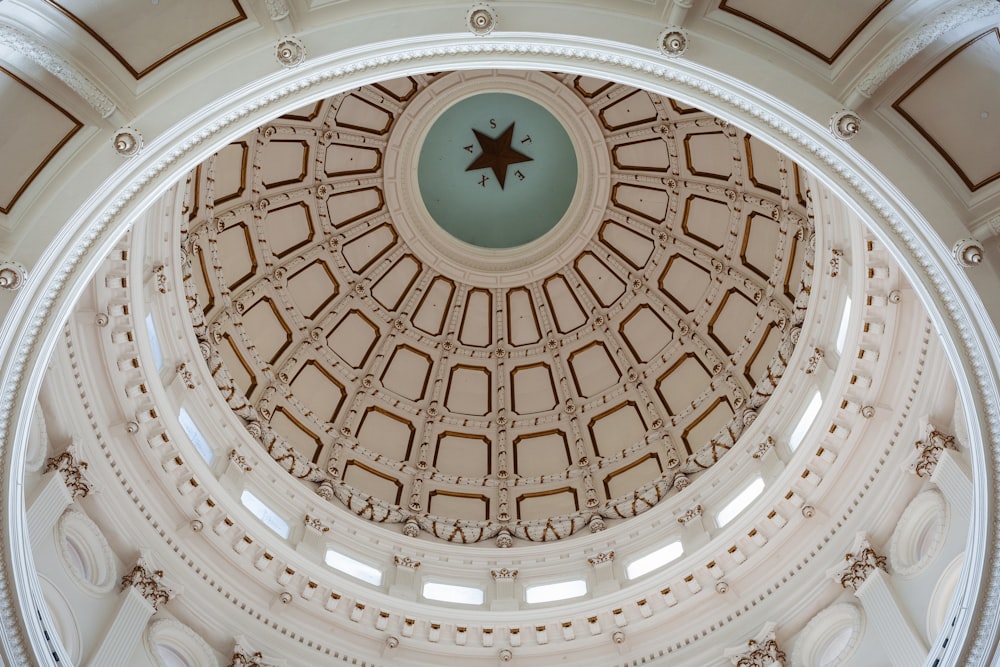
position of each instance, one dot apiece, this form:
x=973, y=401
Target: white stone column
x=46, y=507
x=865, y=573
x=503, y=597
x=604, y=573
x=142, y=594
x=952, y=477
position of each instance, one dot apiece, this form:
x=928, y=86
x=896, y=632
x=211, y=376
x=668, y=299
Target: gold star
x=497, y=154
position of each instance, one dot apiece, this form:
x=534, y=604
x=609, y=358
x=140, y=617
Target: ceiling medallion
x=481, y=19
x=127, y=141
x=673, y=42
x=512, y=175
x=845, y=124
x=290, y=51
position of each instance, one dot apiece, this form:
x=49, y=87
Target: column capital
x=148, y=583
x=860, y=563
x=72, y=471
x=761, y=651
x=930, y=448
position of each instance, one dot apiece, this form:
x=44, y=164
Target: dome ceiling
x=581, y=391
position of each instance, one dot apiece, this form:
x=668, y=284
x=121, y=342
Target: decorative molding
x=481, y=19
x=673, y=42
x=277, y=9
x=186, y=375
x=813, y=642
x=763, y=651
x=290, y=51
x=244, y=657
x=845, y=124
x=12, y=275
x=690, y=515
x=598, y=559
x=814, y=360
x=763, y=447
x=35, y=50
x=239, y=460
x=968, y=252
x=315, y=523
x=860, y=563
x=72, y=472
x=148, y=582
x=920, y=37
x=930, y=449
x=503, y=574
x=406, y=562
x=127, y=141
x=920, y=534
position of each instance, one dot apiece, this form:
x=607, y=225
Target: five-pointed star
x=497, y=154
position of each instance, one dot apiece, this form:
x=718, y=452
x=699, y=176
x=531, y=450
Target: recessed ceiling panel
x=685, y=282
x=312, y=288
x=407, y=372
x=288, y=228
x=707, y=221
x=532, y=388
x=956, y=107
x=143, y=37
x=469, y=390
x=317, y=389
x=822, y=28
x=477, y=319
x=353, y=338
x=42, y=128
x=646, y=202
x=645, y=332
x=386, y=433
x=463, y=454
x=542, y=453
x=593, y=369
x=346, y=207
x=522, y=318
x=543, y=504
x=395, y=284
x=284, y=162
x=616, y=429
x=631, y=245
x=231, y=172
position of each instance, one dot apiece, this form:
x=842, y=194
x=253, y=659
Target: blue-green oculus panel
x=497, y=170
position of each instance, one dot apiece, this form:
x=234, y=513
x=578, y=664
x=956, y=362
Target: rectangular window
x=740, y=502
x=267, y=515
x=552, y=592
x=353, y=567
x=154, y=342
x=451, y=593
x=654, y=560
x=805, y=421
x=195, y=436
